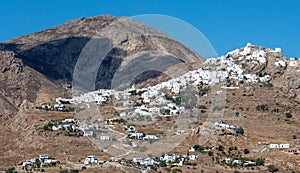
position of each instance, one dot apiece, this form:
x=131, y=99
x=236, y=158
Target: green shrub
x=288, y=115
x=272, y=168
x=246, y=151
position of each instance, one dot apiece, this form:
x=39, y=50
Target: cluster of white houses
x=172, y=159
x=92, y=160
x=134, y=134
x=43, y=160
x=222, y=125
x=283, y=146
x=239, y=162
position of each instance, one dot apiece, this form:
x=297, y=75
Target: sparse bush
x=272, y=168
x=263, y=107
x=259, y=162
x=63, y=171
x=162, y=164
x=199, y=147
x=239, y=131
x=221, y=148
x=246, y=151
x=288, y=115
x=11, y=170
x=176, y=170
x=269, y=85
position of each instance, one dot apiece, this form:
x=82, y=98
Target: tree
x=246, y=151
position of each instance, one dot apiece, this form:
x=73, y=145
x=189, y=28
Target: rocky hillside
x=40, y=66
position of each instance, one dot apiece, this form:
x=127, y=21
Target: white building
x=91, y=160
x=169, y=158
x=228, y=160
x=43, y=156
x=68, y=120
x=280, y=63
x=150, y=137
x=249, y=163
x=88, y=133
x=238, y=162
x=104, y=138
x=193, y=157
x=293, y=63
x=277, y=49
x=49, y=162
x=284, y=146
x=136, y=135
x=274, y=146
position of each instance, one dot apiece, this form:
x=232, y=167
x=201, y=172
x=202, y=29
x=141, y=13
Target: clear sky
x=227, y=24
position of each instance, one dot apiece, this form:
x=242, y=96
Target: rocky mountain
x=40, y=66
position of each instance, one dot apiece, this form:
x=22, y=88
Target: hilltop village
x=166, y=101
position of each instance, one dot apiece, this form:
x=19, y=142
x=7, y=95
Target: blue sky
x=226, y=24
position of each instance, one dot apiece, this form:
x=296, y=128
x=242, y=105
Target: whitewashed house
x=228, y=160
x=284, y=146
x=174, y=112
x=104, y=138
x=136, y=135
x=88, y=133
x=176, y=88
x=68, y=120
x=146, y=100
x=293, y=63
x=55, y=128
x=154, y=110
x=277, y=49
x=265, y=78
x=59, y=107
x=122, y=114
x=193, y=157
x=44, y=156
x=274, y=146
x=28, y=163
x=91, y=160
x=137, y=160
x=192, y=149
x=169, y=158
x=46, y=106
x=238, y=162
x=148, y=162
x=249, y=163
x=280, y=63
x=150, y=137
x=49, y=162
